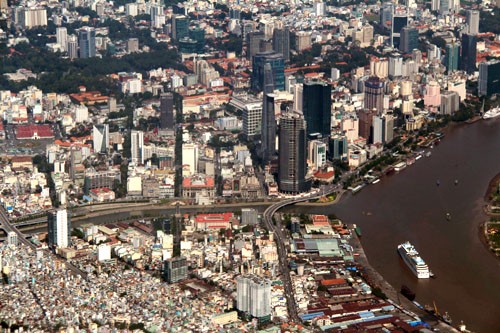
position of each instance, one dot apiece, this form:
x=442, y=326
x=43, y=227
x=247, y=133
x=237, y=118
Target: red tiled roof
x=28, y=131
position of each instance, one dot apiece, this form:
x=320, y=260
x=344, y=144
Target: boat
x=438, y=182
x=448, y=216
x=400, y=166
x=456, y=181
x=358, y=231
x=376, y=181
x=413, y=260
x=406, y=292
x=432, y=275
x=446, y=318
x=419, y=156
x=428, y=154
x=492, y=113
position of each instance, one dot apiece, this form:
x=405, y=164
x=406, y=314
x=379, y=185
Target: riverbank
x=489, y=231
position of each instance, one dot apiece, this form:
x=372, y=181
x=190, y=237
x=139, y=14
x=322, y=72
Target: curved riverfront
x=409, y=206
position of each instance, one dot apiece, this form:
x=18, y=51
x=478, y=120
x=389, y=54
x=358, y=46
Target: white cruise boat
x=413, y=260
x=492, y=113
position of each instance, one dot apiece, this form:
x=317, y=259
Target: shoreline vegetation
x=490, y=230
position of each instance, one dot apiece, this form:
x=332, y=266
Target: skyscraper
x=268, y=128
x=366, y=124
x=72, y=47
x=253, y=296
x=175, y=269
x=452, y=57
x=374, y=94
x=281, y=42
x=277, y=64
x=469, y=51
x=253, y=43
x=100, y=136
x=292, y=168
x=62, y=38
x=444, y=7
x=317, y=107
x=59, y=228
x=180, y=27
x=399, y=21
x=86, y=41
x=473, y=22
x=136, y=146
x=409, y=39
x=167, y=111
x=489, y=78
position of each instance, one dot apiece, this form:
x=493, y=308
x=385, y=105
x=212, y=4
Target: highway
x=8, y=227
x=281, y=237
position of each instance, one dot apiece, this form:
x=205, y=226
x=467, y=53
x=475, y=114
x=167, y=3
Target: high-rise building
x=489, y=78
x=12, y=239
x=383, y=128
x=399, y=21
x=366, y=124
x=72, y=47
x=59, y=228
x=302, y=40
x=253, y=43
x=395, y=65
x=62, y=38
x=175, y=269
x=252, y=119
x=374, y=94
x=268, y=128
x=137, y=146
x=444, y=7
x=452, y=57
x=132, y=45
x=86, y=41
x=28, y=18
x=190, y=157
x=180, y=27
x=292, y=168
x=281, y=42
x=277, y=64
x=338, y=147
x=469, y=53
x=253, y=296
x=450, y=102
x=100, y=137
x=317, y=153
x=435, y=4
x=197, y=34
x=317, y=107
x=386, y=14
x=167, y=111
x=409, y=39
x=473, y=22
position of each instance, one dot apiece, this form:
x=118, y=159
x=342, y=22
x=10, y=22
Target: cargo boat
x=413, y=260
x=493, y=113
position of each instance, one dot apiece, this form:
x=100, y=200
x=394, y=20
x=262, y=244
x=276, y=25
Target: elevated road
x=281, y=237
x=8, y=227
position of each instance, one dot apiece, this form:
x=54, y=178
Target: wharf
x=376, y=280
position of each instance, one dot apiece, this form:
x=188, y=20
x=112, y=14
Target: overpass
x=280, y=238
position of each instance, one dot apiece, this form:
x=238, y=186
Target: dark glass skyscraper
x=278, y=70
x=399, y=21
x=180, y=27
x=317, y=106
x=86, y=41
x=253, y=43
x=409, y=39
x=167, y=111
x=469, y=51
x=281, y=42
x=452, y=57
x=489, y=78
x=268, y=137
x=292, y=169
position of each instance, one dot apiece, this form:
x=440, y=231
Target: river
x=410, y=206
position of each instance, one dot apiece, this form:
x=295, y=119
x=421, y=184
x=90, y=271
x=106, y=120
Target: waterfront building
x=59, y=228
x=175, y=269
x=277, y=64
x=450, y=102
x=86, y=42
x=316, y=107
x=253, y=296
x=292, y=168
x=167, y=111
x=489, y=78
x=100, y=137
